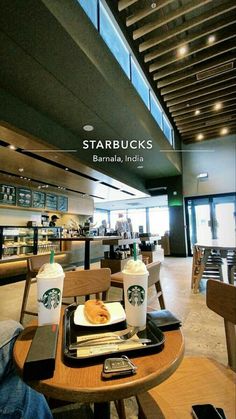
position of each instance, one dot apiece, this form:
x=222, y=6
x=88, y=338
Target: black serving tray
x=71, y=331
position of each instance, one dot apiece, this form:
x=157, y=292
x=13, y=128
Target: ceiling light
x=202, y=175
x=200, y=137
x=12, y=147
x=153, y=5
x=211, y=39
x=218, y=106
x=88, y=128
x=66, y=168
x=224, y=131
x=197, y=112
x=139, y=167
x=182, y=51
x=21, y=169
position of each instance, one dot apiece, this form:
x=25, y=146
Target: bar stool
x=231, y=267
x=213, y=268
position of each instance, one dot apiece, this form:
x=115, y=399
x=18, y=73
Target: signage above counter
x=27, y=198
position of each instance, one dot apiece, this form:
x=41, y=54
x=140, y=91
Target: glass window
x=156, y=110
x=139, y=83
x=167, y=129
x=113, y=40
x=138, y=218
x=159, y=220
x=100, y=215
x=91, y=9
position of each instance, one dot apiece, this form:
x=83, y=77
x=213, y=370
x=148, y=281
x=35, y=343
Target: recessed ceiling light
x=21, y=169
x=88, y=128
x=200, y=137
x=139, y=167
x=197, y=112
x=224, y=131
x=12, y=147
x=66, y=168
x=218, y=106
x=182, y=51
x=211, y=39
x=153, y=5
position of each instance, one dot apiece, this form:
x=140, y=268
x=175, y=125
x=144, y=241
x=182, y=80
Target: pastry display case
x=22, y=241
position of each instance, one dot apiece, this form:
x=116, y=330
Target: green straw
x=52, y=256
x=135, y=251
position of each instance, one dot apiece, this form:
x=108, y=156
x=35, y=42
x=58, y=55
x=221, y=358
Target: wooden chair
x=34, y=263
x=199, y=380
x=153, y=279
x=84, y=283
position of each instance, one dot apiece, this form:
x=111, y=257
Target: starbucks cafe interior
x=117, y=164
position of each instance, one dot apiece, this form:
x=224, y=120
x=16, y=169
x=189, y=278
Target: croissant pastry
x=96, y=312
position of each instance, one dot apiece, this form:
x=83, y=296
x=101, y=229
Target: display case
x=22, y=241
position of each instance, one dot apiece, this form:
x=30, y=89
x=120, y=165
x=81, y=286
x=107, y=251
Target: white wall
x=218, y=158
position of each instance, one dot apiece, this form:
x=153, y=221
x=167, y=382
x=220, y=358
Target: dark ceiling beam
x=200, y=93
x=210, y=123
x=220, y=60
x=203, y=116
x=123, y=4
x=205, y=99
x=141, y=14
x=205, y=130
x=194, y=49
x=191, y=109
x=220, y=49
x=206, y=133
x=201, y=85
x=176, y=43
x=210, y=136
x=190, y=24
x=163, y=20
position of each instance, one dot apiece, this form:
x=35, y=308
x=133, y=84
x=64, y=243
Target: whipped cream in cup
x=50, y=280
x=135, y=279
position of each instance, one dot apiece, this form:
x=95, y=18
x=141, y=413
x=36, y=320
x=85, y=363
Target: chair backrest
x=34, y=263
x=154, y=273
x=221, y=298
x=87, y=282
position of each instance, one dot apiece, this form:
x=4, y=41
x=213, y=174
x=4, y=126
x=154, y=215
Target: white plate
x=115, y=309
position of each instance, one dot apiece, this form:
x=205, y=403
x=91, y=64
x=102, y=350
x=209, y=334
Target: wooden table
x=201, y=252
x=84, y=384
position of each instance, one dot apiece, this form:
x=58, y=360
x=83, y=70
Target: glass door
x=210, y=218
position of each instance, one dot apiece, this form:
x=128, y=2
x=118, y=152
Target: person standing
x=121, y=224
x=53, y=221
x=130, y=227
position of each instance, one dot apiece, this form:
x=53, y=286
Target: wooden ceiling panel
x=189, y=48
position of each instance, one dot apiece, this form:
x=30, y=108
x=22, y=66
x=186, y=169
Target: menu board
x=51, y=201
x=24, y=197
x=7, y=195
x=38, y=199
x=62, y=204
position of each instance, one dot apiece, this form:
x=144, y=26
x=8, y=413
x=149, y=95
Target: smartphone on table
x=207, y=411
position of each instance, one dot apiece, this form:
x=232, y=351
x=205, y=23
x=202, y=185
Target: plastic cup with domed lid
x=50, y=280
x=135, y=279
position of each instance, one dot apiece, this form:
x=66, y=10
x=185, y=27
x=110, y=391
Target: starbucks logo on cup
x=136, y=295
x=51, y=298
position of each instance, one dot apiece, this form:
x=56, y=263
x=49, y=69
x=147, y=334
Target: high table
x=201, y=252
x=87, y=240
x=84, y=384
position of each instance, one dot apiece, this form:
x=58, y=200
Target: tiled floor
x=203, y=330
